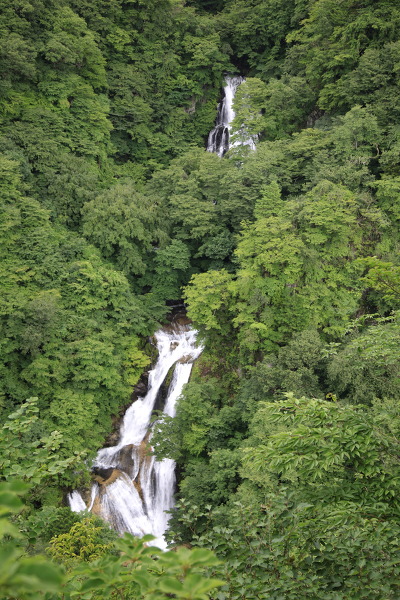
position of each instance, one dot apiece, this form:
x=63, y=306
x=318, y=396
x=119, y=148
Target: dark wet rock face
x=101, y=474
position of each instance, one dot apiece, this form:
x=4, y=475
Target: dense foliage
x=287, y=437
x=92, y=564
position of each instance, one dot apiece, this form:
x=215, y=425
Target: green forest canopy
x=287, y=436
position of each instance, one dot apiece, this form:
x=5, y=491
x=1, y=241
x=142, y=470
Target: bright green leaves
x=384, y=278
x=205, y=199
x=27, y=578
x=136, y=361
x=58, y=113
x=193, y=587
x=334, y=467
x=328, y=221
x=295, y=261
x=21, y=576
x=10, y=504
x=73, y=45
x=96, y=562
x=270, y=202
x=28, y=454
x=367, y=367
x=123, y=224
x=68, y=325
x=192, y=187
x=188, y=433
x=271, y=248
x=136, y=570
x=270, y=265
x=335, y=453
x=269, y=110
x=17, y=59
x=256, y=31
x=294, y=269
x=172, y=268
x=388, y=194
x=294, y=265
x=358, y=135
x=194, y=415
x=249, y=101
x=209, y=297
x=10, y=179
x=70, y=322
x=85, y=541
x=205, y=54
x=317, y=512
x=278, y=547
x=334, y=36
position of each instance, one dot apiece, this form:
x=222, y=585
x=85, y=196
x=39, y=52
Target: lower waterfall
x=135, y=490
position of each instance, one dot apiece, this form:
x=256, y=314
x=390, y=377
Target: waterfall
x=76, y=502
x=134, y=489
x=219, y=137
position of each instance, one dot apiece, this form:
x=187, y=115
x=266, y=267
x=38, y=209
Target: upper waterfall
x=219, y=138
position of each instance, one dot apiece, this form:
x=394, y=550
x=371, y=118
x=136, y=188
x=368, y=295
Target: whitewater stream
x=134, y=491
x=219, y=141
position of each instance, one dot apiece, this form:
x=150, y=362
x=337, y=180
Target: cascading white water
x=76, y=502
x=138, y=489
x=219, y=138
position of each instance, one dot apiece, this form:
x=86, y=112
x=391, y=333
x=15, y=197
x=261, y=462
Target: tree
x=209, y=297
x=21, y=576
x=172, y=265
x=86, y=541
x=367, y=366
x=123, y=224
x=29, y=455
x=342, y=445
x=69, y=326
x=71, y=45
x=256, y=31
x=270, y=110
x=127, y=568
x=316, y=513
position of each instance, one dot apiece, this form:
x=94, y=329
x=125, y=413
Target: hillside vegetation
x=287, y=437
